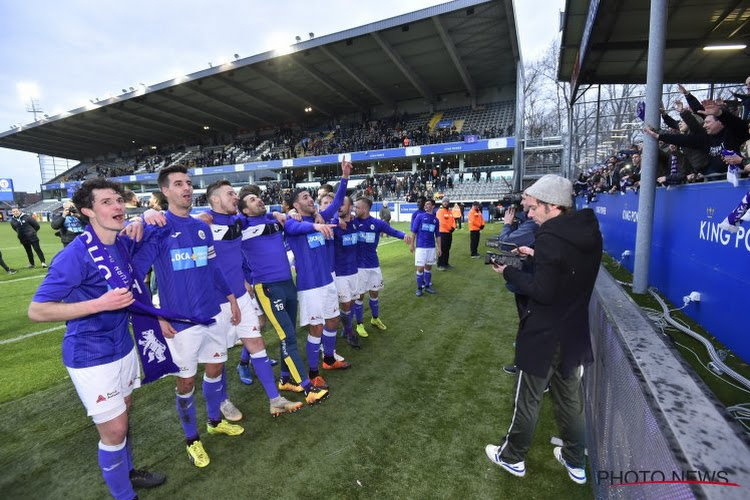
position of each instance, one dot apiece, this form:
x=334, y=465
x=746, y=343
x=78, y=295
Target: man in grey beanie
x=553, y=333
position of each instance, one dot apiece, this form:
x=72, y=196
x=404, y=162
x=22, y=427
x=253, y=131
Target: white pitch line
x=23, y=279
x=33, y=334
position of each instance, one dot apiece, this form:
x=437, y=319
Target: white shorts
x=200, y=344
x=347, y=287
x=318, y=304
x=249, y=327
x=370, y=280
x=425, y=257
x=103, y=388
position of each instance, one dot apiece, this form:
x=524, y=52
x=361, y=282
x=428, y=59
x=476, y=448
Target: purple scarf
x=152, y=349
x=735, y=217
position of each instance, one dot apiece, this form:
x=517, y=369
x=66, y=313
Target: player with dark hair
x=184, y=257
x=345, y=266
x=97, y=349
x=317, y=295
x=369, y=275
x=227, y=232
x=271, y=277
x=425, y=228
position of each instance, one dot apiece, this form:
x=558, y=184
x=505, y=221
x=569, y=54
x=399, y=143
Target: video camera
x=512, y=200
x=503, y=257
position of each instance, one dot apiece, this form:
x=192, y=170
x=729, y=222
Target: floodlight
x=725, y=47
x=298, y=39
x=312, y=35
x=236, y=56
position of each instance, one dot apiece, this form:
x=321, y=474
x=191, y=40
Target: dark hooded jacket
x=26, y=227
x=567, y=254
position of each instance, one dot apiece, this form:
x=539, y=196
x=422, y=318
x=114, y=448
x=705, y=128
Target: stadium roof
x=606, y=41
x=464, y=45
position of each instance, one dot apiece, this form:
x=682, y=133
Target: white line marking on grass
x=41, y=276
x=33, y=334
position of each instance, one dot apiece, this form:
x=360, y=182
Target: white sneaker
x=44, y=264
x=230, y=411
x=576, y=474
x=493, y=453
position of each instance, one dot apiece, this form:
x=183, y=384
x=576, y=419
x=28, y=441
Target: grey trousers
x=567, y=398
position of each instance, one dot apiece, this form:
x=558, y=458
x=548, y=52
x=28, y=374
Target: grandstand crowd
x=706, y=141
x=332, y=137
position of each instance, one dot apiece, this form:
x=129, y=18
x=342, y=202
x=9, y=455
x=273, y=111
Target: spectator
x=724, y=131
x=26, y=227
x=68, y=224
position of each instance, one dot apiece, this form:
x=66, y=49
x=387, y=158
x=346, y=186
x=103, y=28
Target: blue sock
x=329, y=342
x=374, y=307
x=358, y=311
x=114, y=464
x=420, y=280
x=313, y=348
x=186, y=411
x=346, y=318
x=245, y=357
x=224, y=396
x=264, y=372
x=427, y=278
x=212, y=394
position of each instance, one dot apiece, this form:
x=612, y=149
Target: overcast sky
x=75, y=50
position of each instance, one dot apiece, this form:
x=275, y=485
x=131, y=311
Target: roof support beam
x=381, y=96
x=338, y=89
x=264, y=102
x=457, y=62
x=47, y=147
x=184, y=102
x=160, y=122
x=405, y=69
x=291, y=92
x=98, y=128
x=66, y=138
x=225, y=102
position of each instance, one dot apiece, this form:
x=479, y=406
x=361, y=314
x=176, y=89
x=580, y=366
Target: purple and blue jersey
x=427, y=229
x=183, y=255
x=368, y=237
x=345, y=249
x=96, y=339
x=227, y=233
x=310, y=254
x=264, y=250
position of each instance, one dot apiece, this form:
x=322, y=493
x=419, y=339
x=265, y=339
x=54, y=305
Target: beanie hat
x=552, y=189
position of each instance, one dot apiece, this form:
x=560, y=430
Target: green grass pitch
x=409, y=420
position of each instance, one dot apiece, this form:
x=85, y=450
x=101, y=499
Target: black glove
x=453, y=229
x=481, y=227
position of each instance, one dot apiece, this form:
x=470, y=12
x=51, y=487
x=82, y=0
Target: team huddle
x=221, y=277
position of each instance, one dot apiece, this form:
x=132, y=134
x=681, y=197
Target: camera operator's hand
x=510, y=214
x=498, y=268
x=525, y=251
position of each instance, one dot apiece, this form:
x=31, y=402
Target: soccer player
x=318, y=298
x=369, y=275
x=265, y=255
x=345, y=262
x=97, y=349
x=227, y=232
x=425, y=228
x=191, y=281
